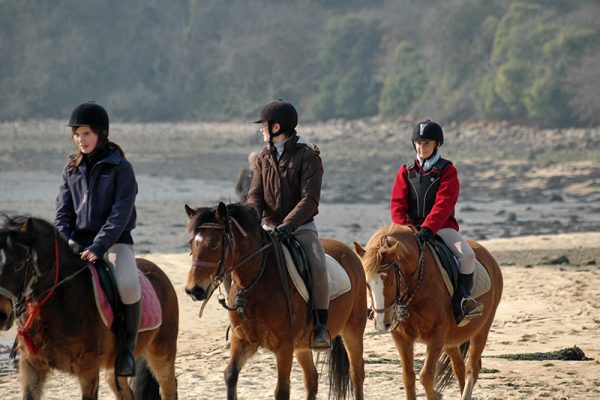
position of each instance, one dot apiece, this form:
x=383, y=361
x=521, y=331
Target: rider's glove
x=282, y=232
x=425, y=235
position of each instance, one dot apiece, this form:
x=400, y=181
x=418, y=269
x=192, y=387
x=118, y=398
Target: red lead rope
x=33, y=309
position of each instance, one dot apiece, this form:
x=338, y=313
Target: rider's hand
x=425, y=235
x=282, y=232
x=89, y=256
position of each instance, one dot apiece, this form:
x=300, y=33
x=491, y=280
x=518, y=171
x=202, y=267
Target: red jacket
x=441, y=215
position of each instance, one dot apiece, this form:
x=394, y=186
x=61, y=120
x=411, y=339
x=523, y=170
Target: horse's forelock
x=244, y=215
x=381, y=239
x=201, y=216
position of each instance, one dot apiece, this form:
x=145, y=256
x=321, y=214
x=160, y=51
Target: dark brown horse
x=229, y=240
x=48, y=290
x=410, y=300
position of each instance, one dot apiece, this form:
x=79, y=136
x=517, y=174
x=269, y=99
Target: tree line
x=529, y=62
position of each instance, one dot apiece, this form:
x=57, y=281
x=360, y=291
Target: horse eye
x=213, y=244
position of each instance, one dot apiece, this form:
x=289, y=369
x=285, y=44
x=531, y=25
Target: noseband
x=403, y=298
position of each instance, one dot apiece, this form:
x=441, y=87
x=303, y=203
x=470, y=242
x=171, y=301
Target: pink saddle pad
x=151, y=310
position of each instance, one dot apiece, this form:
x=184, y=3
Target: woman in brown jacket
x=285, y=191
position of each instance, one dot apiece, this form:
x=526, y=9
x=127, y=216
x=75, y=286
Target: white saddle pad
x=482, y=282
x=339, y=281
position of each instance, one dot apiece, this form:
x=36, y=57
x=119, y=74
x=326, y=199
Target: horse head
x=25, y=245
x=389, y=261
x=217, y=236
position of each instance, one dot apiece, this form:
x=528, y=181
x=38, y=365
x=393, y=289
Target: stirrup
x=125, y=364
x=475, y=312
x=322, y=343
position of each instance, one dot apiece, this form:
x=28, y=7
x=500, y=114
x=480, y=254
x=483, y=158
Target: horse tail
x=444, y=375
x=339, y=367
x=144, y=384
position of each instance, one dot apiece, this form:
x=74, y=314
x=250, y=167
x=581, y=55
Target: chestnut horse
x=410, y=300
x=44, y=288
x=267, y=311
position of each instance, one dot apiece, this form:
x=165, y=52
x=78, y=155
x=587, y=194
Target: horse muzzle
x=196, y=293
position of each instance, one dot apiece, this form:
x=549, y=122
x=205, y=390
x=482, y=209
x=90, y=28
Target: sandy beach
x=543, y=227
x=545, y=308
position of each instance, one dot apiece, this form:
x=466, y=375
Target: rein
x=229, y=243
x=403, y=299
x=33, y=306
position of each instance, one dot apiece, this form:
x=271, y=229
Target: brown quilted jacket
x=287, y=191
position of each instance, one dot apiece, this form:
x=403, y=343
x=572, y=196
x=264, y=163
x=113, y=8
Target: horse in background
x=411, y=301
x=43, y=288
x=267, y=310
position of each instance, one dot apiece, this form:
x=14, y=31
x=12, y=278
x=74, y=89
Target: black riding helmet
x=428, y=130
x=280, y=112
x=89, y=113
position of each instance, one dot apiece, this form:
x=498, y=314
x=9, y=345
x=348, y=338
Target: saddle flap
x=482, y=282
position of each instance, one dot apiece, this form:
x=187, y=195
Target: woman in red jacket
x=424, y=195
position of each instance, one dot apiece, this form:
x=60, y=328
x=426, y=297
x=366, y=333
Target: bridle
x=403, y=298
x=25, y=300
x=229, y=249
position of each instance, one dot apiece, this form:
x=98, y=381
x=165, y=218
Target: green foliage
x=347, y=88
x=532, y=61
x=405, y=83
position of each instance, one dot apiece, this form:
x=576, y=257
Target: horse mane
x=244, y=215
x=12, y=223
x=380, y=239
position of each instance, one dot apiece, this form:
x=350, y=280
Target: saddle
x=448, y=266
x=109, y=304
x=446, y=259
x=299, y=272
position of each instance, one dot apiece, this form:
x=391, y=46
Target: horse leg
x=427, y=375
x=406, y=350
x=89, y=383
x=239, y=353
x=163, y=369
x=32, y=380
x=476, y=346
x=354, y=347
x=311, y=377
x=125, y=392
x=458, y=365
x=284, y=358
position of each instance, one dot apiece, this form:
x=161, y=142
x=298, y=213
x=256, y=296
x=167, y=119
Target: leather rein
x=229, y=243
x=26, y=301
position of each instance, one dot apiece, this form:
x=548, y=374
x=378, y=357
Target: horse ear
x=27, y=227
x=358, y=249
x=189, y=211
x=222, y=213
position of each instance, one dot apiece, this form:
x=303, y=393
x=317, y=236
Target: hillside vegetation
x=529, y=62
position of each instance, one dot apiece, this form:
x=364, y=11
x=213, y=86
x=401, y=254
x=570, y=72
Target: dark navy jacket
x=98, y=211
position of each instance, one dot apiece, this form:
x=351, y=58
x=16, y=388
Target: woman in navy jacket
x=95, y=211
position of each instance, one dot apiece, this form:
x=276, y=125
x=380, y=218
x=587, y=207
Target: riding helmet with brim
x=280, y=112
x=89, y=113
x=428, y=130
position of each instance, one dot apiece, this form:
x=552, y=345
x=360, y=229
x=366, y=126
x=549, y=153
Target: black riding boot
x=320, y=340
x=125, y=363
x=468, y=308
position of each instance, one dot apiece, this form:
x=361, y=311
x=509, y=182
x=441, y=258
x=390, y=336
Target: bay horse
x=229, y=240
x=411, y=301
x=43, y=288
